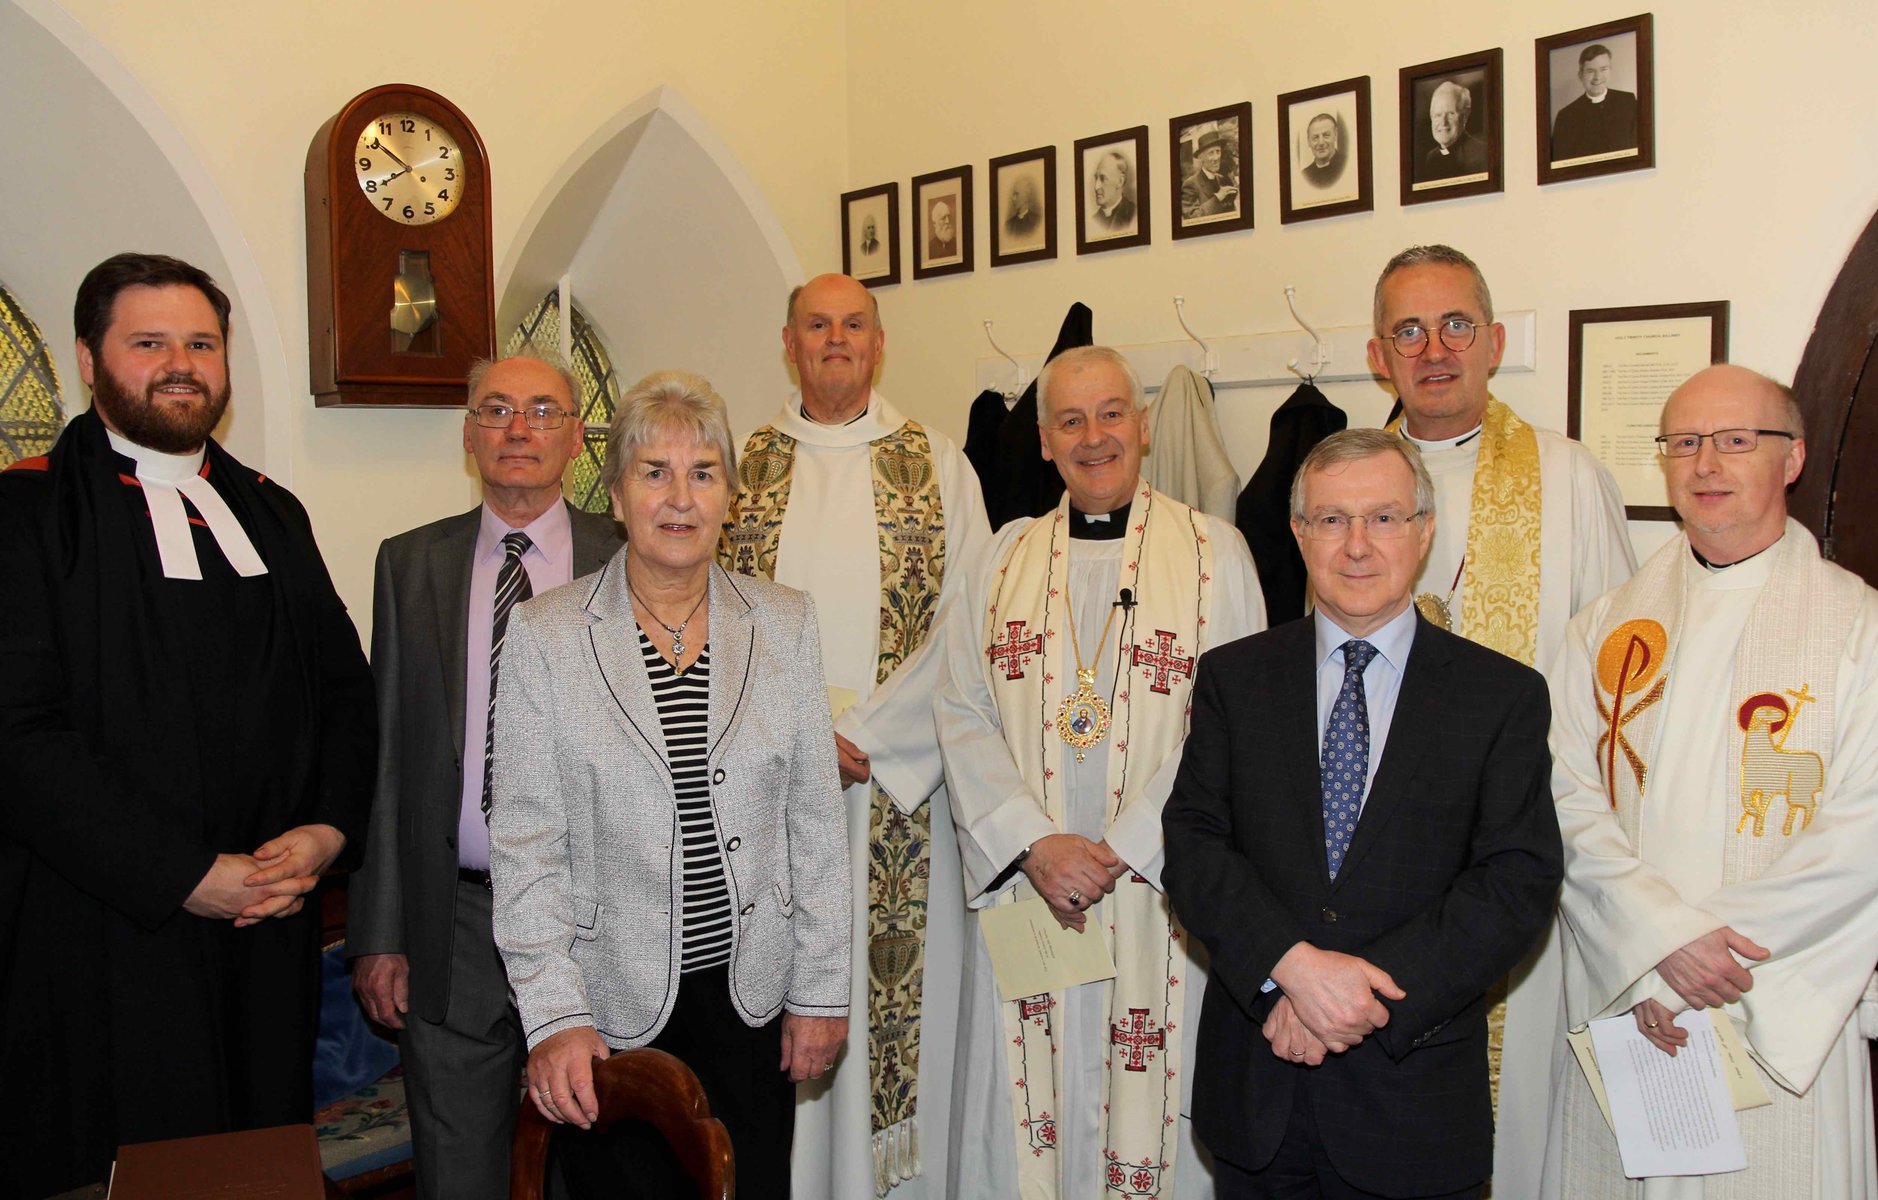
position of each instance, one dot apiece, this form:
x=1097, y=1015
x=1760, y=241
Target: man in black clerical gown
x=188, y=729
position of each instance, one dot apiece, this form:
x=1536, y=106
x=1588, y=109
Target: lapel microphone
x=1127, y=601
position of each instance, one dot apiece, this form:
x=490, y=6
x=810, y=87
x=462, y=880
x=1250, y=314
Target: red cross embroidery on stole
x=1010, y=654
x=1139, y=1036
x=1162, y=662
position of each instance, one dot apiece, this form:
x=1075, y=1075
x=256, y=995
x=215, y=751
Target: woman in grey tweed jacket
x=668, y=840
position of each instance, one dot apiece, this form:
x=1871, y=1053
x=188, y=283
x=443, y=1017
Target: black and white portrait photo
x=870, y=234
x=1595, y=87
x=1324, y=133
x=1211, y=154
x=1023, y=206
x=942, y=222
x=1112, y=194
x=1451, y=128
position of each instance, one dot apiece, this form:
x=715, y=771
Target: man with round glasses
x=1530, y=529
x=1734, y=681
x=420, y=932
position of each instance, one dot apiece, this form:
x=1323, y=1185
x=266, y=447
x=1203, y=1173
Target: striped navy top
x=684, y=704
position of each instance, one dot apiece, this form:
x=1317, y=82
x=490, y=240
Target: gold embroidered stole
x=911, y=522
x=1030, y=673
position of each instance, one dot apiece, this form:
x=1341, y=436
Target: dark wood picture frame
x=927, y=265
x=1715, y=310
x=1232, y=124
x=1478, y=167
x=850, y=202
x=1634, y=37
x=1010, y=245
x=1289, y=207
x=1113, y=238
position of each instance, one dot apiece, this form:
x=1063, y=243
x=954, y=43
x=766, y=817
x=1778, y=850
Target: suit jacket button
x=748, y=909
x=733, y=843
x=718, y=776
x=1330, y=916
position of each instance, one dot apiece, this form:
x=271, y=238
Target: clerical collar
x=803, y=405
x=1427, y=447
x=166, y=479
x=1715, y=566
x=1600, y=100
x=1098, y=527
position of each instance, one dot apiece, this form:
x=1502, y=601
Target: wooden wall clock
x=400, y=285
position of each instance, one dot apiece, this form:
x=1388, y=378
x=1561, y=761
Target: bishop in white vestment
x=842, y=496
x=1069, y=658
x=1715, y=740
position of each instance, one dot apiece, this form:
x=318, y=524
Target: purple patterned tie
x=512, y=587
x=1345, y=765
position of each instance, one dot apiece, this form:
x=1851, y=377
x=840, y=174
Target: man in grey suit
x=423, y=951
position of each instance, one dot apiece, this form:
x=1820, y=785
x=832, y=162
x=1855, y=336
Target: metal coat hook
x=1209, y=358
x=1320, y=357
x=1010, y=393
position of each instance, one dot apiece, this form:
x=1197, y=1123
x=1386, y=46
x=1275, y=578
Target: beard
x=153, y=422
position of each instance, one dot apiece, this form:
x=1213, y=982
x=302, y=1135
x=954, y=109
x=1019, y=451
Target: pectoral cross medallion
x=1082, y=719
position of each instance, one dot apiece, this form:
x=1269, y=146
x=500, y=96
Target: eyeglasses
x=1456, y=333
x=1381, y=526
x=538, y=416
x=1727, y=441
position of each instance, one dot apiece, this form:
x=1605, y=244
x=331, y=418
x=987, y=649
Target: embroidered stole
x=1149, y=699
x=1500, y=605
x=911, y=522
x=1781, y=707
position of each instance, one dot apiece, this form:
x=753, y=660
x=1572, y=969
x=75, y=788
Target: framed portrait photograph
x=942, y=223
x=1210, y=155
x=1624, y=363
x=1112, y=190
x=1323, y=132
x=870, y=234
x=1023, y=207
x=1453, y=128
x=1596, y=100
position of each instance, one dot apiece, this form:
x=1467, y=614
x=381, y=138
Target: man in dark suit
x=1457, y=150
x=1108, y=187
x=1362, y=835
x=943, y=239
x=423, y=949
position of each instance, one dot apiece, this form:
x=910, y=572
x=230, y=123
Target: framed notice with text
x=1624, y=364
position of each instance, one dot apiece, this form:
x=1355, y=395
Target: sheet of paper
x=1744, y=1083
x=840, y=700
x=1588, y=1063
x=1032, y=954
x=1672, y=1116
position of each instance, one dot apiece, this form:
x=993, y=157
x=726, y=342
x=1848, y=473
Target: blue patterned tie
x=512, y=587
x=1345, y=765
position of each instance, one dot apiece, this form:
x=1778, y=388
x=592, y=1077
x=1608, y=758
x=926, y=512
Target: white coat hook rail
x=1016, y=388
x=1320, y=353
x=1209, y=357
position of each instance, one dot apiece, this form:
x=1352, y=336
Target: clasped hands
x=1705, y=974
x=1071, y=873
x=1329, y=1004
x=271, y=882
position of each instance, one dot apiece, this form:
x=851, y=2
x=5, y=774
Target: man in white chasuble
x=1062, y=711
x=1530, y=529
x=1715, y=740
x=871, y=513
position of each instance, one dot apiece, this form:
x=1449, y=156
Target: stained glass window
x=540, y=331
x=30, y=414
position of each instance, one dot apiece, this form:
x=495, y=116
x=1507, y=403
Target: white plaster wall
x=1766, y=123
x=248, y=85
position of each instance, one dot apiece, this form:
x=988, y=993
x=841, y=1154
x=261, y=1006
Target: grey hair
x=1121, y=162
x=479, y=371
x=1433, y=255
x=667, y=404
x=1465, y=102
x=789, y=317
x=1350, y=445
x=1078, y=358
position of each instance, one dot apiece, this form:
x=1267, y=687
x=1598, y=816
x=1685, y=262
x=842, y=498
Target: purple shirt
x=549, y=563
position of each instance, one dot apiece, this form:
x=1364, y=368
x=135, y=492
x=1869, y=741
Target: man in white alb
x=842, y=496
x=1530, y=529
x=1715, y=746
x=1062, y=711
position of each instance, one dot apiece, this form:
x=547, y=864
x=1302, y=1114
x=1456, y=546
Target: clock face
x=410, y=168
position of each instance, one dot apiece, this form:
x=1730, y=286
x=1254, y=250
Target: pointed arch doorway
x=1837, y=386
